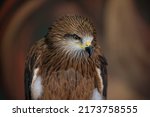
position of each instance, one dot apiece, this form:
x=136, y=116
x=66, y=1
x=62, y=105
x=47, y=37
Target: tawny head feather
x=73, y=34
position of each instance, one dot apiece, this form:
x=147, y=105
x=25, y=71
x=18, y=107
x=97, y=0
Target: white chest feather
x=36, y=86
x=100, y=77
x=96, y=95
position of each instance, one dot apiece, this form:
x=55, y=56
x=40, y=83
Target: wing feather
x=28, y=74
x=103, y=68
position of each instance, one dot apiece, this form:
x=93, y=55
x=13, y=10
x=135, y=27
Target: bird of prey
x=67, y=63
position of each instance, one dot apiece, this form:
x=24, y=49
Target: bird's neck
x=59, y=59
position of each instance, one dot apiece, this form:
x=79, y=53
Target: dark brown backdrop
x=122, y=28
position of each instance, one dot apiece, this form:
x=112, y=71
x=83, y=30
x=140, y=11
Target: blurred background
x=123, y=31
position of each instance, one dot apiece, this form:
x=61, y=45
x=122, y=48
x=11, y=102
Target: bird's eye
x=67, y=35
x=76, y=37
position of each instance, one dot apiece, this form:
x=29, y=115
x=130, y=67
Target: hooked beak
x=88, y=47
x=89, y=50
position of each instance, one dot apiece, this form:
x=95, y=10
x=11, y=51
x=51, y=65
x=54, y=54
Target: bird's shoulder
x=35, y=52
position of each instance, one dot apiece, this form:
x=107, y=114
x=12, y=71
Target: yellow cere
x=88, y=43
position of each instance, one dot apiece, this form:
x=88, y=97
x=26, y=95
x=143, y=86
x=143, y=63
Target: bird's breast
x=67, y=78
x=68, y=84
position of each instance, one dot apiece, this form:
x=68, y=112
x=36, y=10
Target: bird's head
x=74, y=35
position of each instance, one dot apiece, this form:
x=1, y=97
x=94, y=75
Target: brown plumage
x=64, y=64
